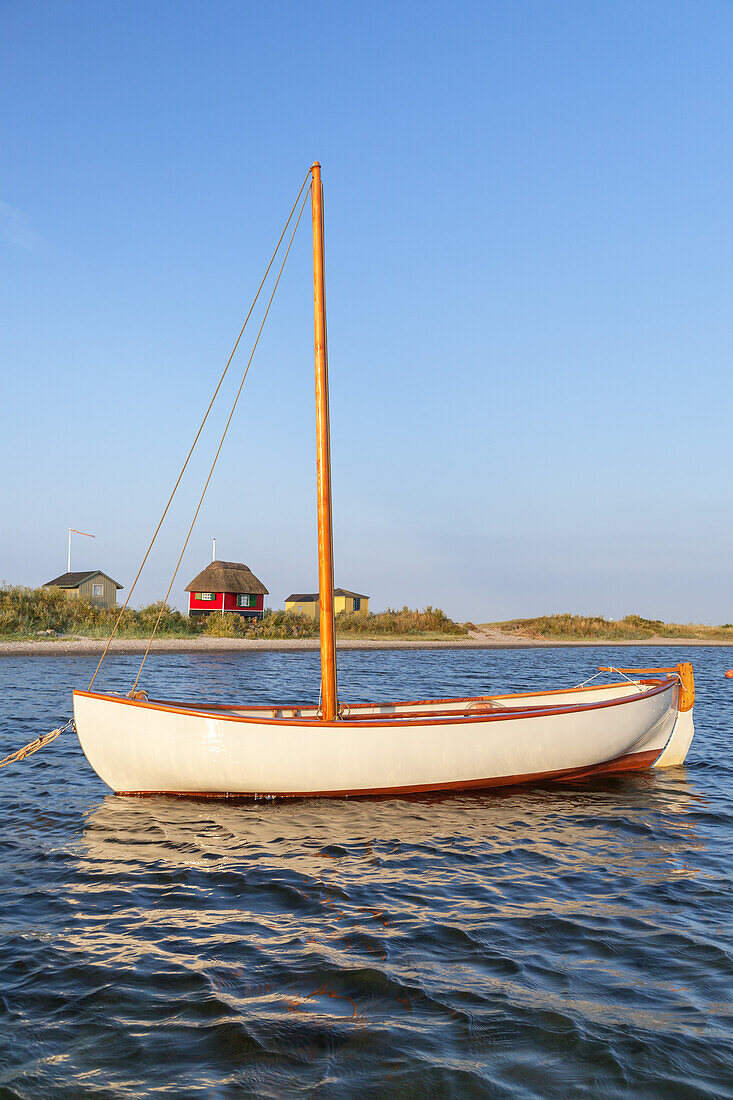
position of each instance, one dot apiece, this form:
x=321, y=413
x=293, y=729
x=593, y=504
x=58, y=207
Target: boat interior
x=448, y=709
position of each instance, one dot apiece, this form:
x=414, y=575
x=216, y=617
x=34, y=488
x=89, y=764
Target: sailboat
x=145, y=746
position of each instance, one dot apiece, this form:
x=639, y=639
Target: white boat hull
x=144, y=747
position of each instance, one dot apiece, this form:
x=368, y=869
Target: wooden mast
x=329, y=696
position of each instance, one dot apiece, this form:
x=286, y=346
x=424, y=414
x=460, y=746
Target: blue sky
x=529, y=275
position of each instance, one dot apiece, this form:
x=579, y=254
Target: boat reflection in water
x=582, y=824
x=543, y=912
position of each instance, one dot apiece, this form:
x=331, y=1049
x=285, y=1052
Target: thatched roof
x=73, y=580
x=313, y=597
x=227, y=576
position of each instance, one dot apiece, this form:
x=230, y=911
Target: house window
x=97, y=590
x=244, y=600
x=206, y=595
x=357, y=605
x=300, y=607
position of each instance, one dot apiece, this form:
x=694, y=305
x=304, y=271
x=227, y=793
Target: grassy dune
x=430, y=623
x=32, y=613
x=595, y=627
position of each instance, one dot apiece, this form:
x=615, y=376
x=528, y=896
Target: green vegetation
x=275, y=624
x=595, y=627
x=33, y=612
x=432, y=622
x=28, y=612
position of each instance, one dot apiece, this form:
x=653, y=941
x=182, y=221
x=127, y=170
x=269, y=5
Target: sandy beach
x=477, y=639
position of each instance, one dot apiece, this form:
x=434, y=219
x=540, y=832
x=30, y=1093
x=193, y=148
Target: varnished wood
x=329, y=694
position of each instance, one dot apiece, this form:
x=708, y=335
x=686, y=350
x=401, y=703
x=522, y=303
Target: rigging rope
x=221, y=441
x=34, y=746
x=589, y=680
x=201, y=428
x=611, y=668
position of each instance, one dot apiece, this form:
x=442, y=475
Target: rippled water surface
x=555, y=941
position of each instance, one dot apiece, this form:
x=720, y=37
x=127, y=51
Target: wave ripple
x=555, y=941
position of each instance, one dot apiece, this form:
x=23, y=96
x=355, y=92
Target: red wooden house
x=226, y=587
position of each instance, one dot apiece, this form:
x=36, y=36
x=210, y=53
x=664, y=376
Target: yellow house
x=306, y=603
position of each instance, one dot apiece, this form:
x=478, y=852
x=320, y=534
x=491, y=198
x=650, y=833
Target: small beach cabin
x=306, y=603
x=229, y=588
x=95, y=586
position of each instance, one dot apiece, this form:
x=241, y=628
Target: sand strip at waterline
x=476, y=639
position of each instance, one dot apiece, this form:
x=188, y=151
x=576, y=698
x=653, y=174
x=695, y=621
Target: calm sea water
x=557, y=941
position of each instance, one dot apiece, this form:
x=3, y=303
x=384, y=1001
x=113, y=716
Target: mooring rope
x=34, y=746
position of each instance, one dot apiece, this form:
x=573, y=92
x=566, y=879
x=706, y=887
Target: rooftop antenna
x=213, y=550
x=73, y=531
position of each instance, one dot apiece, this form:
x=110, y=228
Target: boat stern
x=678, y=746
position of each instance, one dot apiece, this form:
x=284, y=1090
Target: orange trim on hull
x=634, y=761
x=391, y=703
x=392, y=721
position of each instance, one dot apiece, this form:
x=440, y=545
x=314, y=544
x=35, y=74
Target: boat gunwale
x=409, y=702
x=386, y=720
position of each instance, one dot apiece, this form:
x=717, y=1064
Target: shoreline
x=65, y=647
